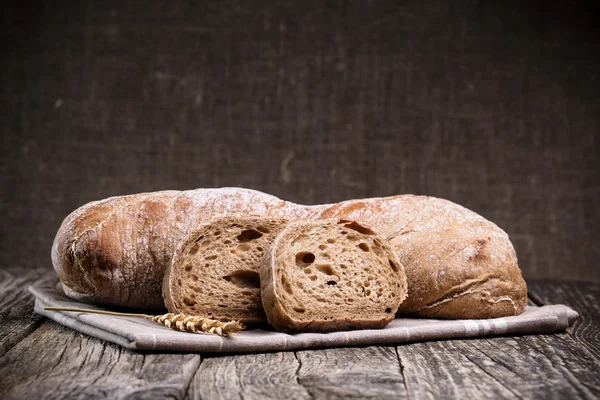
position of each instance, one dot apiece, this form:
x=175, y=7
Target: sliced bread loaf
x=323, y=276
x=214, y=271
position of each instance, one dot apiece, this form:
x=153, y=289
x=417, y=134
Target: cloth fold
x=141, y=334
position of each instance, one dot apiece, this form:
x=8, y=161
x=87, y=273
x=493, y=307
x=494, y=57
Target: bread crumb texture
x=331, y=275
x=215, y=270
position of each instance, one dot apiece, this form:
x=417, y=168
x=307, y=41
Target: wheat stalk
x=178, y=322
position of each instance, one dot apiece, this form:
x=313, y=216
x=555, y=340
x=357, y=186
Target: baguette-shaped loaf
x=458, y=264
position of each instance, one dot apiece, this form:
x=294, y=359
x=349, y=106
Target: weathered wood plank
x=68, y=364
x=358, y=372
x=57, y=362
x=251, y=376
x=583, y=297
x=16, y=304
x=548, y=366
x=370, y=372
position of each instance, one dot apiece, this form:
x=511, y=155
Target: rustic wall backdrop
x=494, y=107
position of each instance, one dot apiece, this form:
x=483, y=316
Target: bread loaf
x=215, y=269
x=458, y=265
x=322, y=276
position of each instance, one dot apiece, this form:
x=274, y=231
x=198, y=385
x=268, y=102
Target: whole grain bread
x=330, y=275
x=214, y=271
x=458, y=264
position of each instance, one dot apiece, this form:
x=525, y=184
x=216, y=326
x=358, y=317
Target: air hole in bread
x=188, y=267
x=367, y=292
x=393, y=265
x=364, y=247
x=227, y=242
x=359, y=228
x=378, y=248
x=304, y=258
x=189, y=302
x=313, y=278
x=286, y=285
x=321, y=300
x=247, y=293
x=326, y=269
x=331, y=283
x=263, y=229
x=195, y=277
x=243, y=278
x=322, y=247
x=300, y=285
x=330, y=240
x=388, y=310
x=248, y=235
x=199, y=238
x=244, y=247
x=307, y=271
x=259, y=248
x=300, y=309
x=211, y=257
x=179, y=282
x=222, y=306
x=194, y=249
x=352, y=237
x=343, y=266
x=349, y=300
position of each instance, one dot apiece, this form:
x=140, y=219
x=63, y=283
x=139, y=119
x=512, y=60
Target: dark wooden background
x=496, y=107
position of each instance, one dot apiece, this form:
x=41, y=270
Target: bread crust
x=458, y=264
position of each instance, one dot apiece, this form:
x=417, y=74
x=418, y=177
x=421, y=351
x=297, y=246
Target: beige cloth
x=141, y=334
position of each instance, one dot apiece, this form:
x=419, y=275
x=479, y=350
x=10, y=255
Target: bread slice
x=330, y=275
x=214, y=271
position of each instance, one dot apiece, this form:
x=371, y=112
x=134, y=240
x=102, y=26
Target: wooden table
x=42, y=359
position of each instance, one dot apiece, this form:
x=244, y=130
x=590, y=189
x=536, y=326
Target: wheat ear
x=179, y=322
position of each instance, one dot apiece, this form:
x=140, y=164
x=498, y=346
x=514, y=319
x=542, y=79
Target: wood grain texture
x=583, y=297
x=55, y=362
x=250, y=376
x=16, y=304
x=491, y=105
x=520, y=367
x=351, y=373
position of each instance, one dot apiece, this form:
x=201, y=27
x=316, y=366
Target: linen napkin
x=141, y=334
